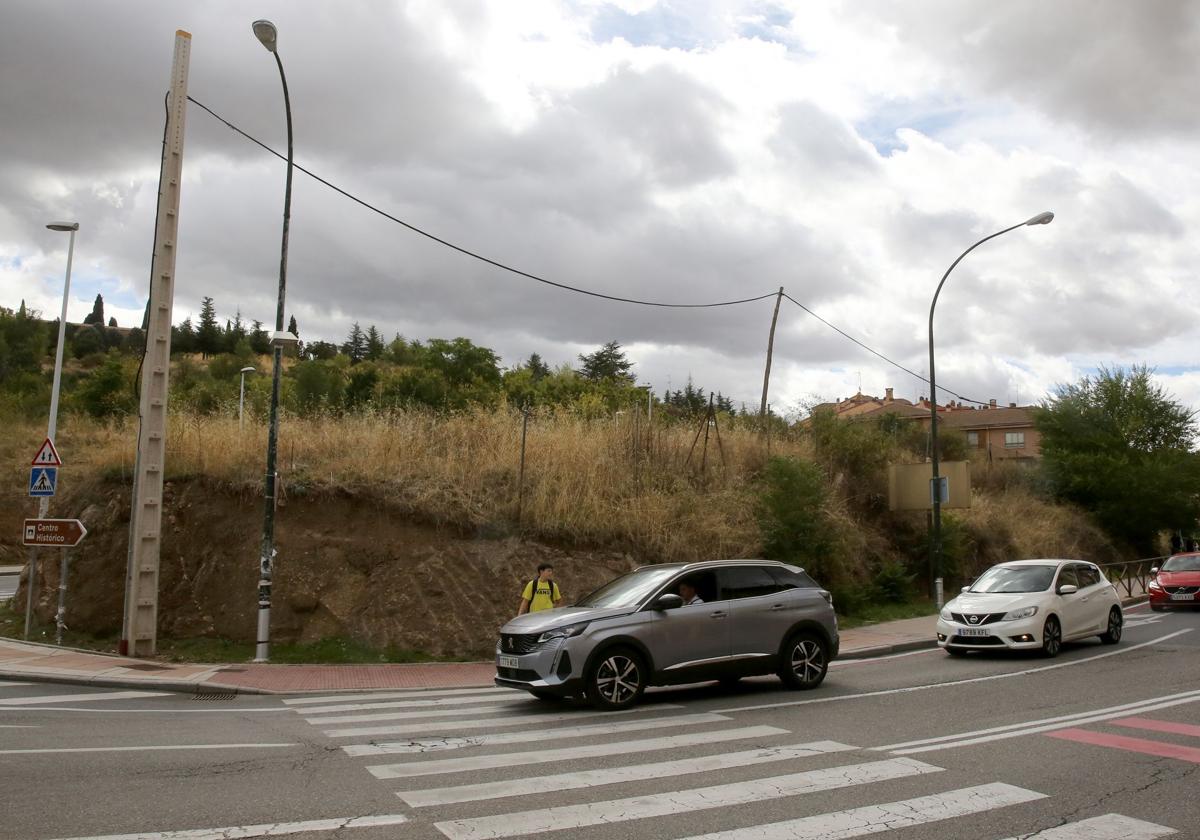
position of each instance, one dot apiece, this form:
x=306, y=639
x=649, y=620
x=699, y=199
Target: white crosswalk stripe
x=483, y=723
x=874, y=819
x=1106, y=827
x=486, y=738
x=418, y=704
x=681, y=801
x=401, y=695
x=472, y=763
x=616, y=775
x=419, y=714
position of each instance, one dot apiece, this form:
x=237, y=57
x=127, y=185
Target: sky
x=670, y=151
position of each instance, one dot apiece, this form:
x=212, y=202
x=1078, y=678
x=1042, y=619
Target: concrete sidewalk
x=47, y=663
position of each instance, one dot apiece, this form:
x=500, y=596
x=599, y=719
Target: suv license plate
x=972, y=631
x=508, y=662
x=1184, y=596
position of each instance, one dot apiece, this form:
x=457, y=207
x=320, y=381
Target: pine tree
x=208, y=334
x=292, y=328
x=97, y=314
x=356, y=344
x=183, y=337
x=112, y=322
x=537, y=367
x=260, y=342
x=608, y=362
x=375, y=347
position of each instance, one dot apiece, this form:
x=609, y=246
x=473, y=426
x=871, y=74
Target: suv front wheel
x=617, y=679
x=805, y=661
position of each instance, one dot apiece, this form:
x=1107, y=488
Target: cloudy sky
x=676, y=151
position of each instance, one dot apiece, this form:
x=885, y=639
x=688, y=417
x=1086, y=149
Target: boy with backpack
x=541, y=593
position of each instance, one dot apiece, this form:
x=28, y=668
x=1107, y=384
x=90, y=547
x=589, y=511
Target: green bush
x=893, y=583
x=107, y=391
x=792, y=520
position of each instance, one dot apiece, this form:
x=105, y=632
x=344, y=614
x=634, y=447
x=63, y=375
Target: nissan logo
x=973, y=619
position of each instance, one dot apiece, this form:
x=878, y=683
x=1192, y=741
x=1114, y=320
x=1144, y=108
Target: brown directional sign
x=54, y=533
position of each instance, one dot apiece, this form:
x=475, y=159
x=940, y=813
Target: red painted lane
x=1159, y=726
x=1121, y=742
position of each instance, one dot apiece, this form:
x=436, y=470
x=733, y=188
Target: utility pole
x=140, y=628
x=762, y=410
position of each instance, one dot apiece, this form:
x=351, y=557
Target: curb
x=884, y=650
x=175, y=686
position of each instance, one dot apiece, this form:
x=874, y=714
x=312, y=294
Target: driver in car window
x=687, y=591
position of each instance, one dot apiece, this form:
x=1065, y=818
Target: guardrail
x=1131, y=575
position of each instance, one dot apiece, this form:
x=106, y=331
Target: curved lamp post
x=266, y=33
x=935, y=484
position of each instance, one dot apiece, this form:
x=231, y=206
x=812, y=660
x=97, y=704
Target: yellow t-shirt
x=547, y=591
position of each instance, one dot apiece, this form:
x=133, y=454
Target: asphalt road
x=8, y=582
x=1101, y=742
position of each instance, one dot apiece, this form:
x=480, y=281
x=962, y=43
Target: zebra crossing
x=468, y=762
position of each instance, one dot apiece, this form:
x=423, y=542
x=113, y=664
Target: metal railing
x=1132, y=576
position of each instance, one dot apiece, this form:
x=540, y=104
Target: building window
x=973, y=439
x=1014, y=440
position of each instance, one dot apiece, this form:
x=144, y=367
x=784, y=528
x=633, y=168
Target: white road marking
x=1035, y=729
x=681, y=801
x=437, y=767
x=505, y=722
x=231, y=711
x=1123, y=708
x=969, y=681
x=400, y=695
x=19, y=726
x=147, y=749
x=419, y=704
x=70, y=698
x=616, y=775
x=452, y=711
x=842, y=663
x=873, y=819
x=7, y=683
x=241, y=832
x=435, y=744
x=1107, y=827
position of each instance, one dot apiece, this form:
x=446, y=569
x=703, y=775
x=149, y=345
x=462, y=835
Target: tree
x=87, y=340
x=1118, y=445
x=375, y=345
x=355, y=345
x=235, y=333
x=208, y=334
x=537, y=368
x=97, y=313
x=112, y=322
x=292, y=328
x=106, y=392
x=321, y=350
x=183, y=337
x=608, y=362
x=260, y=342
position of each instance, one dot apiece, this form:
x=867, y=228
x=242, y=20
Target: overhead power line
x=502, y=266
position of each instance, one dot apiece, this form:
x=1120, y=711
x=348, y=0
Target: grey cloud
x=817, y=144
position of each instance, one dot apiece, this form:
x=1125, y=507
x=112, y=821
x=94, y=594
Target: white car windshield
x=1182, y=563
x=1015, y=579
x=628, y=590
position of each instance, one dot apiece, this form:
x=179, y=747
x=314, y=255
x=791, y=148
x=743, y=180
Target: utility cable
x=875, y=352
x=467, y=251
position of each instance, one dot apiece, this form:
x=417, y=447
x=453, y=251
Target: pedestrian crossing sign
x=43, y=481
x=47, y=456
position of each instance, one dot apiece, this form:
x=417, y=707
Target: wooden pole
x=762, y=411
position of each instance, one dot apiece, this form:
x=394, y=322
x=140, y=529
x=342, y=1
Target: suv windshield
x=1014, y=579
x=628, y=590
x=1182, y=563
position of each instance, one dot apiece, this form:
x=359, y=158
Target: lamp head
x=63, y=226
x=249, y=370
x=265, y=31
x=1041, y=219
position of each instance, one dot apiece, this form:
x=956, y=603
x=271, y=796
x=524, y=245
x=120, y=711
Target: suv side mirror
x=668, y=601
x=1068, y=589
x=1154, y=570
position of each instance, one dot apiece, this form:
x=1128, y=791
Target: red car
x=1176, y=583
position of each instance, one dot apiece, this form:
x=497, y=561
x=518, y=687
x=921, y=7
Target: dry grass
x=614, y=481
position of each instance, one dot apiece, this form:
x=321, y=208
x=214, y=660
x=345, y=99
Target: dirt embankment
x=345, y=567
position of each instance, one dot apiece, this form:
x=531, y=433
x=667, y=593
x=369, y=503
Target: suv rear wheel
x=805, y=661
x=617, y=679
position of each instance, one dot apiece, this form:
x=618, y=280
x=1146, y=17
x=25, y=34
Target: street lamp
x=52, y=426
x=935, y=483
x=265, y=31
x=242, y=395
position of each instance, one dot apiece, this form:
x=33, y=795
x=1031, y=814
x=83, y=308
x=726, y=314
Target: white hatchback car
x=1031, y=604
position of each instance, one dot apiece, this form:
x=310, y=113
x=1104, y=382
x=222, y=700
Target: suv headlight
x=1024, y=612
x=565, y=632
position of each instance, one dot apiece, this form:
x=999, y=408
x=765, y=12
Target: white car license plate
x=1184, y=596
x=508, y=662
x=972, y=631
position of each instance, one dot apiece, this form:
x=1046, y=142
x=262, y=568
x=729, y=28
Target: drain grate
x=214, y=696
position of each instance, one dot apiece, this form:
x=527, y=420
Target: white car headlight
x=564, y=632
x=1024, y=612
x=945, y=614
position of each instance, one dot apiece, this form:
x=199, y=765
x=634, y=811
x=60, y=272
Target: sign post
x=43, y=482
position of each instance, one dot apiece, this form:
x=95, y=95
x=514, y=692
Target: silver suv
x=744, y=618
